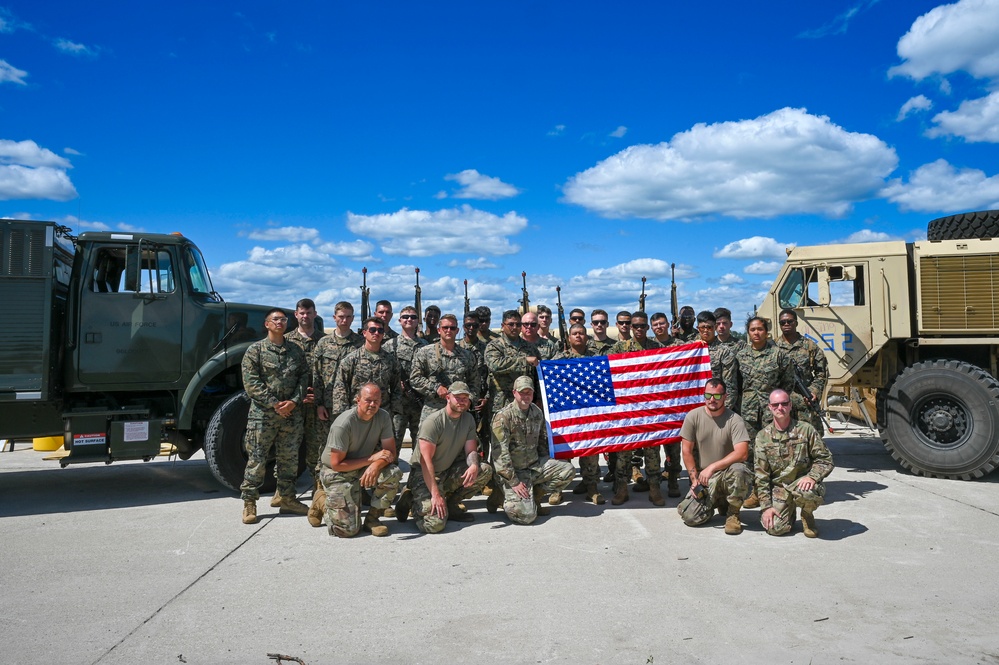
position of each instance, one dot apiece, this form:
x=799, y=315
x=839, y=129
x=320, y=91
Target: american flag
x=606, y=404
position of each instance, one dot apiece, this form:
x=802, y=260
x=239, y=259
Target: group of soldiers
x=471, y=408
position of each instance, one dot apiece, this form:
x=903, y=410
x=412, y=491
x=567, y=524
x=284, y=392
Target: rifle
x=641, y=298
x=419, y=303
x=468, y=306
x=525, y=302
x=674, y=306
x=812, y=402
x=365, y=292
x=563, y=332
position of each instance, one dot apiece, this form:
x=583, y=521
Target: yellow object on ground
x=47, y=443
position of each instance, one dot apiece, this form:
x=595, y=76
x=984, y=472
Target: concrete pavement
x=149, y=563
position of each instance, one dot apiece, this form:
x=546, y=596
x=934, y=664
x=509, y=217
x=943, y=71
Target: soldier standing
x=327, y=355
x=431, y=319
x=623, y=321
x=547, y=347
x=485, y=319
x=791, y=462
x=481, y=411
x=508, y=357
x=438, y=365
x=810, y=362
x=306, y=336
x=368, y=364
x=383, y=310
x=409, y=404
x=723, y=322
x=275, y=373
x=685, y=331
x=660, y=328
x=599, y=321
x=589, y=466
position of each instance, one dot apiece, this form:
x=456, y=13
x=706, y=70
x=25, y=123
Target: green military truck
x=919, y=324
x=119, y=342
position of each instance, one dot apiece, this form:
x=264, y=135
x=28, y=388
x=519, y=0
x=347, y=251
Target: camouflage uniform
x=410, y=403
x=814, y=369
x=429, y=336
x=327, y=356
x=548, y=347
x=520, y=454
x=362, y=366
x=687, y=337
x=449, y=467
x=315, y=432
x=480, y=387
x=603, y=347
x=433, y=366
x=762, y=372
x=506, y=359
x=725, y=366
x=589, y=466
x=272, y=374
x=622, y=464
x=357, y=438
x=782, y=458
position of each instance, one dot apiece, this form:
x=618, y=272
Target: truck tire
x=940, y=418
x=983, y=224
x=224, y=445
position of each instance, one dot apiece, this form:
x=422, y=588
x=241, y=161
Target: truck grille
x=958, y=294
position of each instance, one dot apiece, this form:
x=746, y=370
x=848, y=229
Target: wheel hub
x=942, y=420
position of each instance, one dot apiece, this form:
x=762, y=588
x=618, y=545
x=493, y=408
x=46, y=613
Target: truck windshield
x=200, y=280
x=792, y=292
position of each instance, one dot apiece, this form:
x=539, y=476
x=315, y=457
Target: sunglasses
x=529, y=325
x=780, y=405
x=602, y=322
x=787, y=322
x=624, y=323
x=408, y=317
x=640, y=326
x=714, y=395
x=577, y=319
x=449, y=327
x=376, y=331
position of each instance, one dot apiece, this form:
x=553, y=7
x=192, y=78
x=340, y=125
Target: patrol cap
x=523, y=383
x=459, y=388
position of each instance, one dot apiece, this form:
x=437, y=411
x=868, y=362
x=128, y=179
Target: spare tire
x=982, y=224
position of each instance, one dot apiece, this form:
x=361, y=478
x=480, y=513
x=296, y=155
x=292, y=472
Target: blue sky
x=585, y=143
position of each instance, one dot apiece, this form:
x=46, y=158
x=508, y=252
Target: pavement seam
x=182, y=592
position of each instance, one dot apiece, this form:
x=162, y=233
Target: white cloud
x=917, y=103
x=463, y=230
x=480, y=263
x=30, y=172
x=650, y=268
x=71, y=151
x=951, y=38
x=938, y=186
x=785, y=162
x=73, y=48
x=619, y=132
x=866, y=235
x=752, y=248
x=475, y=185
x=284, y=234
x=11, y=74
x=839, y=25
x=762, y=268
x=358, y=249
x=557, y=130
x=730, y=279
x=975, y=120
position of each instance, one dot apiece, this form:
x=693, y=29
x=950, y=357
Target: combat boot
x=456, y=512
x=318, y=508
x=388, y=512
x=487, y=491
x=580, y=488
x=372, y=525
x=609, y=476
x=673, y=485
x=593, y=494
x=656, y=495
x=620, y=495
x=808, y=524
x=495, y=500
x=539, y=494
x=641, y=485
x=292, y=506
x=404, y=505
x=555, y=498
x=752, y=502
x=733, y=526
x=276, y=499
x=249, y=512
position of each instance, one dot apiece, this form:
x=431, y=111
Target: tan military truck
x=919, y=324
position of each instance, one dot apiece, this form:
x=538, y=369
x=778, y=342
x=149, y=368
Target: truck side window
x=800, y=289
x=118, y=270
x=846, y=286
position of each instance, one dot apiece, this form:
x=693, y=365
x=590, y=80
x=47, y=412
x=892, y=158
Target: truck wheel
x=224, y=445
x=983, y=224
x=941, y=419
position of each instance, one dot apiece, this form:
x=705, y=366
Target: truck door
x=131, y=316
x=833, y=306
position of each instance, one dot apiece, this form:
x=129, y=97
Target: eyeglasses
x=577, y=319
x=602, y=322
x=624, y=323
x=449, y=327
x=376, y=331
x=279, y=320
x=512, y=324
x=787, y=322
x=471, y=324
x=706, y=326
x=407, y=317
x=714, y=396
x=529, y=325
x=780, y=405
x=640, y=326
